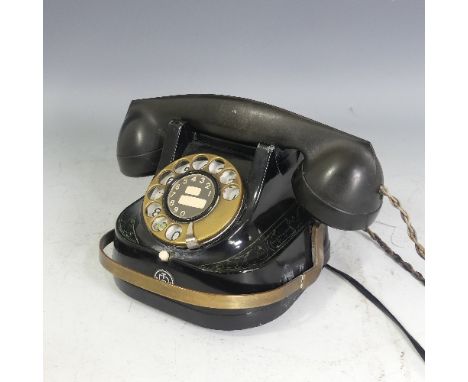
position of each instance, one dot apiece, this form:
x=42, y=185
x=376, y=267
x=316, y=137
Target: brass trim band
x=217, y=300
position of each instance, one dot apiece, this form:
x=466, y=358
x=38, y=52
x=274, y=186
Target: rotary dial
x=193, y=200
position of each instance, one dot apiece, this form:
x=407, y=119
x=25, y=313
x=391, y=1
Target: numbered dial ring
x=193, y=200
x=191, y=196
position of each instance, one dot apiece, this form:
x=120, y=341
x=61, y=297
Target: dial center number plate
x=192, y=196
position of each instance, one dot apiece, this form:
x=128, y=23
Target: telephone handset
x=233, y=225
x=337, y=181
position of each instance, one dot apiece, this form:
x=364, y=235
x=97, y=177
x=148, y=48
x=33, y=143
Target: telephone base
x=197, y=302
x=220, y=319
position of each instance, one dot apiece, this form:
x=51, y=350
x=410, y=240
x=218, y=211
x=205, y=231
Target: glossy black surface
x=337, y=181
x=232, y=319
x=268, y=244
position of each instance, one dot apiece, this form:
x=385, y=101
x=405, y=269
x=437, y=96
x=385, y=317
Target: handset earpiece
x=337, y=183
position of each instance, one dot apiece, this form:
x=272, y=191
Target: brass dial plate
x=196, y=197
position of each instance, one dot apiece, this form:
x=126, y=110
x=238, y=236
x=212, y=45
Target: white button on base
x=164, y=256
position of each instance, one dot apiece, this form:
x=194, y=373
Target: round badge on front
x=193, y=200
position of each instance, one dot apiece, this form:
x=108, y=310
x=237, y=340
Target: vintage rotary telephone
x=233, y=225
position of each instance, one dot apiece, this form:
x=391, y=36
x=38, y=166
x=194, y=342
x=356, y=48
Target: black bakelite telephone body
x=233, y=226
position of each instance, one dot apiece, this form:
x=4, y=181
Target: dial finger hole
x=153, y=209
x=155, y=193
x=182, y=166
x=200, y=162
x=231, y=192
x=159, y=224
x=173, y=232
x=166, y=177
x=228, y=176
x=216, y=166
